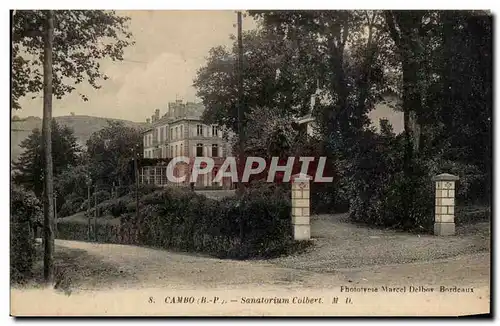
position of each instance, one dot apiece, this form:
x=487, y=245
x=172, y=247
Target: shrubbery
x=25, y=210
x=258, y=225
x=71, y=205
x=381, y=195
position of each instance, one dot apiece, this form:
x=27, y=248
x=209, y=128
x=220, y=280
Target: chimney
x=157, y=114
x=153, y=118
x=148, y=120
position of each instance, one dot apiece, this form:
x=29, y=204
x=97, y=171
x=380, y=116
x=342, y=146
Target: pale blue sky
x=170, y=47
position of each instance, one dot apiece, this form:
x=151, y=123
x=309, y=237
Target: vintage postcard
x=251, y=163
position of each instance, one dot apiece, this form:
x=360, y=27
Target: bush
x=101, y=196
x=26, y=210
x=22, y=252
x=381, y=195
x=257, y=226
x=471, y=185
x=106, y=231
x=472, y=214
x=71, y=206
x=229, y=228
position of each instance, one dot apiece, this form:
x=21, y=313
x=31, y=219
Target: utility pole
x=95, y=212
x=241, y=132
x=136, y=173
x=240, y=190
x=48, y=215
x=55, y=214
x=89, y=184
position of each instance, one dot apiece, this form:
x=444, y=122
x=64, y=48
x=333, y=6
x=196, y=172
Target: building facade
x=180, y=132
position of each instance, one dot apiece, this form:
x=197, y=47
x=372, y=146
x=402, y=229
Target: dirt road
x=106, y=279
x=104, y=266
x=100, y=279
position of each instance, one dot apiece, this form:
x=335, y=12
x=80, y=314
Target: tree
x=275, y=76
x=29, y=167
x=270, y=133
x=461, y=98
x=72, y=184
x=70, y=44
x=48, y=172
x=344, y=51
x=81, y=39
x=110, y=151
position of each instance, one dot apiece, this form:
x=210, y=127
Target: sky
x=170, y=47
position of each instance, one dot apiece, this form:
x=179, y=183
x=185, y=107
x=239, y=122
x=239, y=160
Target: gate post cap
x=446, y=177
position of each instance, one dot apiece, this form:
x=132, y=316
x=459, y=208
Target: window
x=171, y=133
x=215, y=131
x=199, y=130
x=158, y=175
x=141, y=175
x=215, y=150
x=182, y=135
x=171, y=151
x=182, y=150
x=165, y=134
x=175, y=150
x=199, y=150
x=176, y=133
x=164, y=179
x=151, y=176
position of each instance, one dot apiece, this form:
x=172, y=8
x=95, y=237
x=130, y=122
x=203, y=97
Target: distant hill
x=82, y=125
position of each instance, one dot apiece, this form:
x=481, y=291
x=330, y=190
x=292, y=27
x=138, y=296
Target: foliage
x=182, y=219
x=273, y=75
x=28, y=169
x=24, y=205
x=26, y=210
x=177, y=218
x=472, y=214
x=81, y=39
x=382, y=195
x=110, y=152
x=71, y=205
x=359, y=55
x=270, y=133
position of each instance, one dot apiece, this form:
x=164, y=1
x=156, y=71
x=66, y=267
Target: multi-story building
x=180, y=132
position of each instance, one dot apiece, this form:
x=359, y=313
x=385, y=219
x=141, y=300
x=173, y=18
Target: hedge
x=257, y=226
x=26, y=210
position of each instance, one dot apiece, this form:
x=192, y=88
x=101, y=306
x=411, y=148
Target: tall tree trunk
x=48, y=204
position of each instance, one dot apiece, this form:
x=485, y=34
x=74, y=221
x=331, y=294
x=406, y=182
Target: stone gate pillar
x=444, y=222
x=301, y=206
